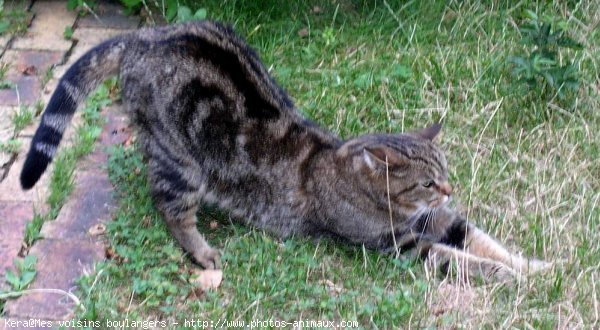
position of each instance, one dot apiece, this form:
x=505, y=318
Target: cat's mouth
x=439, y=202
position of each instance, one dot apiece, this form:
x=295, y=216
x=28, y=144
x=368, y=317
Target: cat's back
x=207, y=56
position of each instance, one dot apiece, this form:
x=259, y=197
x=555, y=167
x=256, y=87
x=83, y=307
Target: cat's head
x=408, y=168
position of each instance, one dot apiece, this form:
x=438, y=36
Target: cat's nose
x=445, y=188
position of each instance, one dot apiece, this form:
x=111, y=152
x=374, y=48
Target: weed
x=68, y=32
x=24, y=273
x=11, y=146
x=82, y=6
x=540, y=68
x=22, y=119
x=39, y=107
x=5, y=84
x=32, y=230
x=46, y=78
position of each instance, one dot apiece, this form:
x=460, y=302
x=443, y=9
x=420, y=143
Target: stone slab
x=109, y=15
x=14, y=217
x=35, y=62
x=27, y=90
x=46, y=30
x=60, y=264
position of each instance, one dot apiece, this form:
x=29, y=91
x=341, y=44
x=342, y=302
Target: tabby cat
x=217, y=129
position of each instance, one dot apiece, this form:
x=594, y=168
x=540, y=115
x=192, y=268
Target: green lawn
x=524, y=164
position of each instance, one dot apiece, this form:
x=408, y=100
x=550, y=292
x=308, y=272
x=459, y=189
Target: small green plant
x=68, y=32
x=11, y=146
x=541, y=66
x=5, y=84
x=39, y=105
x=46, y=78
x=185, y=14
x=32, y=231
x=22, y=118
x=24, y=275
x=328, y=36
x=82, y=6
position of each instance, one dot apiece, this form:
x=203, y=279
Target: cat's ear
x=430, y=132
x=380, y=157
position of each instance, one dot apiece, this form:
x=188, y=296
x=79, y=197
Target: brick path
x=67, y=249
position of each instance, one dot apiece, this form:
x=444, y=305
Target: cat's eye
x=428, y=184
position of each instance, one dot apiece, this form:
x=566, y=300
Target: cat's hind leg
x=481, y=244
x=465, y=266
x=457, y=232
x=178, y=201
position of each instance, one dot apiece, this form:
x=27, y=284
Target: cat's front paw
x=208, y=258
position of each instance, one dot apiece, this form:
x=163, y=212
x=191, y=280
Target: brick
x=46, y=30
x=40, y=60
x=26, y=92
x=92, y=205
x=10, y=187
x=109, y=15
x=60, y=264
x=15, y=216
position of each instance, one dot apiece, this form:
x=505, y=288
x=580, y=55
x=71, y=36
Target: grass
x=524, y=167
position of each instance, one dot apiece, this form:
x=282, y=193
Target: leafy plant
x=24, y=275
x=541, y=65
x=184, y=14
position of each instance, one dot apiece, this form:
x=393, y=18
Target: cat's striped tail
x=80, y=79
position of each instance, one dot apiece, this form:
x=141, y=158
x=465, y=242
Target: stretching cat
x=217, y=129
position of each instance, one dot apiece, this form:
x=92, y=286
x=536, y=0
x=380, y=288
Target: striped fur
x=217, y=129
